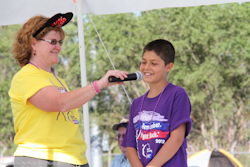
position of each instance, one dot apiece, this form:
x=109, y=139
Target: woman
x=45, y=111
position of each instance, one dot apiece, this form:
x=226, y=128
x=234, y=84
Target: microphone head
x=139, y=75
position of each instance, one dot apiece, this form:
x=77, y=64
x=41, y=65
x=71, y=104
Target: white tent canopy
x=19, y=11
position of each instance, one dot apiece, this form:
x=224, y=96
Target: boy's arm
x=133, y=157
x=170, y=148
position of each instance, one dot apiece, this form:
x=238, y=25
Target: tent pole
x=83, y=78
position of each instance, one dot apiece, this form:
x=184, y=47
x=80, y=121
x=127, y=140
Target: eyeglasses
x=51, y=41
x=119, y=136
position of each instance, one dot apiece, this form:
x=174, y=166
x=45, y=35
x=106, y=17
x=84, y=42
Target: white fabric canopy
x=19, y=11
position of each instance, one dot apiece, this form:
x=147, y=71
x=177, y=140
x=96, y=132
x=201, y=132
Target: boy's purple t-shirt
x=148, y=133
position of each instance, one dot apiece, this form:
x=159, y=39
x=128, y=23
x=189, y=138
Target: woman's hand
x=104, y=82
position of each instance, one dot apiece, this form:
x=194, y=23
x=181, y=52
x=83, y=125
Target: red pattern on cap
x=60, y=21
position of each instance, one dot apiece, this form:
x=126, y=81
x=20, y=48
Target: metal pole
x=83, y=78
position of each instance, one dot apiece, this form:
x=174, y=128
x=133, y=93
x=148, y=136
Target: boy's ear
x=169, y=66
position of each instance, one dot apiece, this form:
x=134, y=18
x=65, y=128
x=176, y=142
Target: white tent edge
x=29, y=8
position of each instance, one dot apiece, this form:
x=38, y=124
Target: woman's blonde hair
x=22, y=50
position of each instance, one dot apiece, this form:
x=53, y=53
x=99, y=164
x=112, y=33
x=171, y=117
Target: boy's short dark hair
x=162, y=48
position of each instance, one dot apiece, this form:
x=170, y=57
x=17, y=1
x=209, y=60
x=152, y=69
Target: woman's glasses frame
x=51, y=41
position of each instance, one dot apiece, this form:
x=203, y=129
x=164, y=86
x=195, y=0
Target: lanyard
x=49, y=78
x=153, y=110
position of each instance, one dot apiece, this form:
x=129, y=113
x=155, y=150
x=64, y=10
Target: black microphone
x=137, y=76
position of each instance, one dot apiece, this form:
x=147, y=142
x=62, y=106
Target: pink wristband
x=96, y=88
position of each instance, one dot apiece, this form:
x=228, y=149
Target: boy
x=160, y=119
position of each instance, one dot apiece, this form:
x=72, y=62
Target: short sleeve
x=131, y=133
x=25, y=84
x=130, y=139
x=181, y=112
x=124, y=142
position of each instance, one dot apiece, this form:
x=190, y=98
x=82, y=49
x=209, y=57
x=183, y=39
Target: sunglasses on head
x=51, y=41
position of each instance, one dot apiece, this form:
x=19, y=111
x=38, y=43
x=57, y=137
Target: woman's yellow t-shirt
x=40, y=134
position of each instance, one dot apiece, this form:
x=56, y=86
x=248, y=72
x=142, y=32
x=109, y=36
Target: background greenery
x=212, y=63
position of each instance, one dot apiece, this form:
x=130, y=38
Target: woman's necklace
x=49, y=78
x=55, y=86
x=153, y=110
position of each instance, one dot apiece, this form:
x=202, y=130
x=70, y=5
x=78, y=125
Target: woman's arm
x=52, y=100
x=170, y=148
x=133, y=157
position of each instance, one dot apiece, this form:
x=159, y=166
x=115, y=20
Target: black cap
x=59, y=18
x=123, y=122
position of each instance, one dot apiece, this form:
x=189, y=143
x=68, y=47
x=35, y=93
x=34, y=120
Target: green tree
x=8, y=69
x=212, y=58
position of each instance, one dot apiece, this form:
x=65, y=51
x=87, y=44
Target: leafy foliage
x=8, y=69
